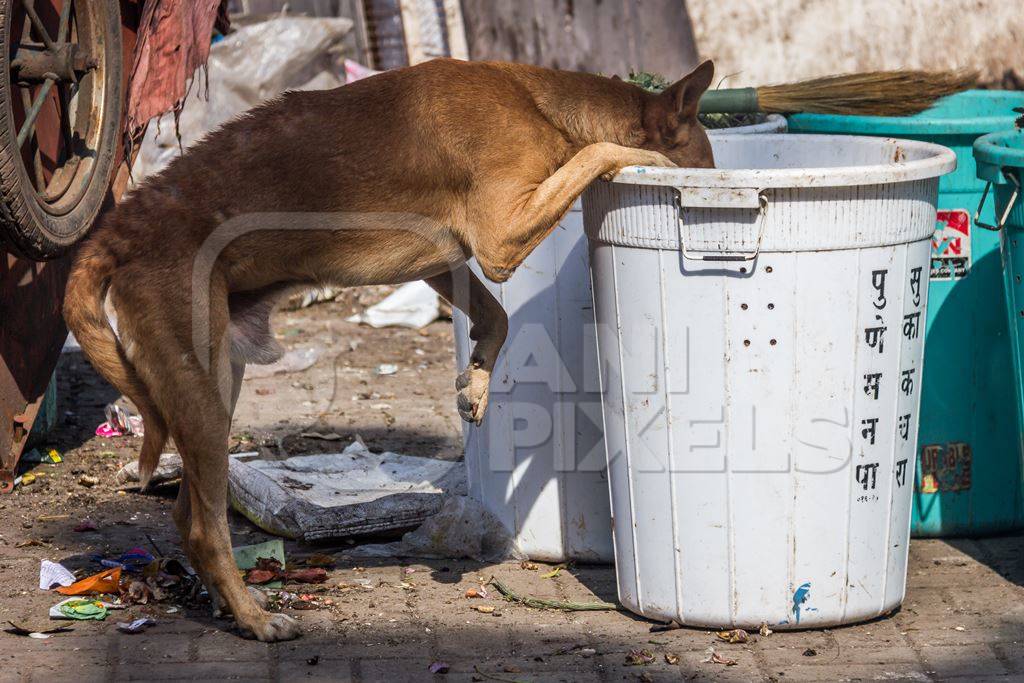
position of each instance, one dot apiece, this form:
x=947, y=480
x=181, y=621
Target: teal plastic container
x=1000, y=161
x=968, y=475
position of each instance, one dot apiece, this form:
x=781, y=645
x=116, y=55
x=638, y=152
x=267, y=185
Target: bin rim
x=935, y=161
x=929, y=122
x=773, y=123
x=999, y=150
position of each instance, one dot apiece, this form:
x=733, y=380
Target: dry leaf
x=715, y=658
x=671, y=658
x=765, y=631
x=485, y=609
x=737, y=635
x=528, y=565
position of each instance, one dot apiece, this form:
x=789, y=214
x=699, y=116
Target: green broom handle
x=729, y=101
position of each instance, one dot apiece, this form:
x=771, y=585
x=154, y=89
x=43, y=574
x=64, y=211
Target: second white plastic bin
x=538, y=460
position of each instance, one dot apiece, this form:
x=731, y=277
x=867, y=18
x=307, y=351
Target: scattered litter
x=810, y=652
x=52, y=518
x=715, y=658
x=671, y=658
x=52, y=574
x=88, y=481
x=352, y=492
x=387, y=369
x=959, y=628
x=120, y=422
x=27, y=479
x=137, y=626
x=80, y=609
x=438, y=667
x=413, y=305
x=134, y=560
x=19, y=630
x=295, y=360
x=354, y=71
x=764, y=630
x=529, y=566
x=736, y=635
x=543, y=603
x=248, y=557
x=268, y=569
x=33, y=542
x=553, y=573
x=36, y=457
x=86, y=525
x=323, y=436
x=639, y=657
x=168, y=469
x=485, y=609
x=476, y=592
x=107, y=581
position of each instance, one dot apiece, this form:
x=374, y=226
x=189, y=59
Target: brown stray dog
x=398, y=177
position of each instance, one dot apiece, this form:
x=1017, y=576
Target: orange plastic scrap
x=107, y=581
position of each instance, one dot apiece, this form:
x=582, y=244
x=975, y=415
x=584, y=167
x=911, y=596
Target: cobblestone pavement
x=963, y=616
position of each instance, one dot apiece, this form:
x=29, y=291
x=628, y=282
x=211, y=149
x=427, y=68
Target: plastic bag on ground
x=462, y=528
x=413, y=305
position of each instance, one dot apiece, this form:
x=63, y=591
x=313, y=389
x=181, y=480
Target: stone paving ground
x=963, y=617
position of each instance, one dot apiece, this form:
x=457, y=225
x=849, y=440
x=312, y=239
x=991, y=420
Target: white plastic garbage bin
x=538, y=460
x=760, y=330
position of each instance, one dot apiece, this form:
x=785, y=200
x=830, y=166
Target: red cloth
x=173, y=41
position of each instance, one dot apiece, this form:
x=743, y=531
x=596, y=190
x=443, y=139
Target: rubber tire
x=26, y=226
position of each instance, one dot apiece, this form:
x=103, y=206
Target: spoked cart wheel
x=60, y=116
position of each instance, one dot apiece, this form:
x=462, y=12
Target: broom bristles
x=873, y=93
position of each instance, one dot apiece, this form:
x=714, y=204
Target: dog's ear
x=683, y=96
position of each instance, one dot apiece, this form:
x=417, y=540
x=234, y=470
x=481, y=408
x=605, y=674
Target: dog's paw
x=472, y=386
x=271, y=628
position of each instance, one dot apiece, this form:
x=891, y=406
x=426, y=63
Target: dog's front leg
x=489, y=327
x=504, y=243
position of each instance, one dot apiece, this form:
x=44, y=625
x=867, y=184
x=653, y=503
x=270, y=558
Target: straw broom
x=873, y=93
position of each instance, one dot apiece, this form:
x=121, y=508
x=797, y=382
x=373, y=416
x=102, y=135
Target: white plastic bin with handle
x=538, y=460
x=760, y=327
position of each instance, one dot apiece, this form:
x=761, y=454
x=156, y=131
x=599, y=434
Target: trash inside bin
x=761, y=327
x=969, y=472
x=537, y=462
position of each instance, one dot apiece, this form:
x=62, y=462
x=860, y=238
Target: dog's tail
x=84, y=314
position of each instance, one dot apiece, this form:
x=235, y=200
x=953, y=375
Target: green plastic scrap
x=82, y=609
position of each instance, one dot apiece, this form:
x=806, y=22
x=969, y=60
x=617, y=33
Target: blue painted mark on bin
x=800, y=596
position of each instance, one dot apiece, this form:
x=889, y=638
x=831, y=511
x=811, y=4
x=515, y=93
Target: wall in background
x=772, y=41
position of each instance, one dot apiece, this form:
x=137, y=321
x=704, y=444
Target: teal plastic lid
x=971, y=112
x=997, y=151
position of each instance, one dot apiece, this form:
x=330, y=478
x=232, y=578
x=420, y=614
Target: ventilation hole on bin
x=743, y=306
x=773, y=342
x=1022, y=314
x=746, y=342
x=768, y=269
x=771, y=307
x=1018, y=278
x=743, y=270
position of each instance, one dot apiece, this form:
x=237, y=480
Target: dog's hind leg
x=197, y=404
x=464, y=290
